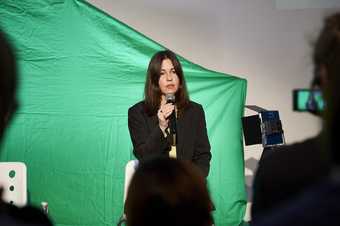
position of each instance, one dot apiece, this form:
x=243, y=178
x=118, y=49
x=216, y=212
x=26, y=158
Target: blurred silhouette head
x=8, y=82
x=168, y=192
x=326, y=59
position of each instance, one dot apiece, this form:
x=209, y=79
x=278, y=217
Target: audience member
x=168, y=192
x=319, y=204
x=285, y=172
x=9, y=214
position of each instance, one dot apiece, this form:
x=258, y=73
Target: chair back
x=13, y=181
x=130, y=169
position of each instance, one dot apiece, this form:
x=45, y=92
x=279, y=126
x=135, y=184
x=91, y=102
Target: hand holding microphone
x=167, y=113
x=163, y=115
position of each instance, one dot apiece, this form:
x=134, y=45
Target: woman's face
x=168, y=81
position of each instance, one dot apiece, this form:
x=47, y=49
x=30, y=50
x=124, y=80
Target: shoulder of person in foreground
x=284, y=172
x=28, y=215
x=298, y=155
x=317, y=206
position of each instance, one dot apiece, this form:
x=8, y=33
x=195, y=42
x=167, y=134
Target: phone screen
x=308, y=100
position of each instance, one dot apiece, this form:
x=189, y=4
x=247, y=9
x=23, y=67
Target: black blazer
x=192, y=139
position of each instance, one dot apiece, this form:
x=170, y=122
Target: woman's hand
x=163, y=113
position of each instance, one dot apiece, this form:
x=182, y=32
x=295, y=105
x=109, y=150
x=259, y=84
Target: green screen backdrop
x=80, y=71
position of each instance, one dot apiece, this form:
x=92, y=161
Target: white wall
x=248, y=38
x=266, y=42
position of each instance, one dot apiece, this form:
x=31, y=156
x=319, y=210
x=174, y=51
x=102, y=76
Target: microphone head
x=170, y=98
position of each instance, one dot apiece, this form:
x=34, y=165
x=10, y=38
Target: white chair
x=130, y=169
x=13, y=181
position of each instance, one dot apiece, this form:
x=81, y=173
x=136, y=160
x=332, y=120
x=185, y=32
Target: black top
x=192, y=139
x=317, y=206
x=284, y=173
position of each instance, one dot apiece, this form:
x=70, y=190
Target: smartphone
x=308, y=100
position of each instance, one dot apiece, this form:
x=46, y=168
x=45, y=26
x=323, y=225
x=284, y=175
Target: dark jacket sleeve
x=11, y=215
x=147, y=142
x=202, y=154
x=284, y=173
x=258, y=194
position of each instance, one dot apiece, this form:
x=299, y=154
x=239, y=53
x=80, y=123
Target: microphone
x=170, y=98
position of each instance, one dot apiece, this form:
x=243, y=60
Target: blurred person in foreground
x=10, y=214
x=319, y=204
x=168, y=192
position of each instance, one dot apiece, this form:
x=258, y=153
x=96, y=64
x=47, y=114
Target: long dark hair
x=152, y=92
x=326, y=59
